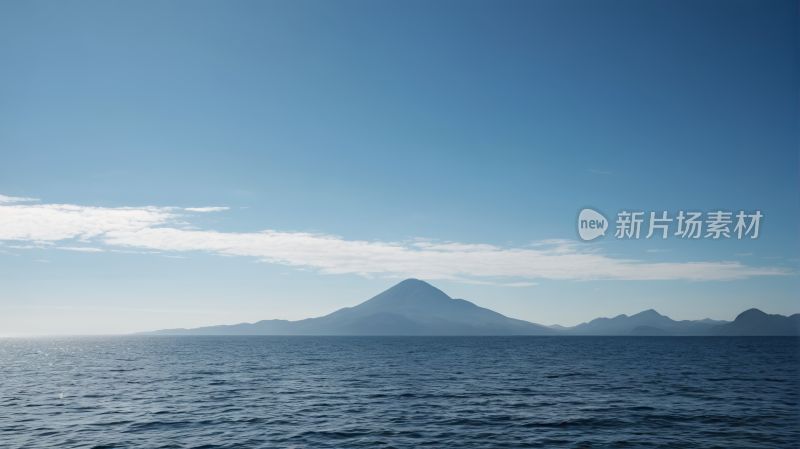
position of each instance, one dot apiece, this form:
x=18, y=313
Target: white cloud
x=657, y=250
x=748, y=254
x=520, y=284
x=207, y=209
x=43, y=261
x=12, y=199
x=148, y=229
x=134, y=252
x=69, y=248
x=455, y=247
x=175, y=257
x=63, y=221
x=334, y=255
x=550, y=242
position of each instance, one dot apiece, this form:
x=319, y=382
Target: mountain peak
x=406, y=292
x=751, y=313
x=756, y=322
x=649, y=312
x=413, y=281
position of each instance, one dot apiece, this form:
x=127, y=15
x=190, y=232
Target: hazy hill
x=624, y=325
x=412, y=307
x=754, y=322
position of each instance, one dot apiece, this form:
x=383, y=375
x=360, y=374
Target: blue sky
x=402, y=129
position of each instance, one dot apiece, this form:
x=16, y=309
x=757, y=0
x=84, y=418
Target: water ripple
x=400, y=392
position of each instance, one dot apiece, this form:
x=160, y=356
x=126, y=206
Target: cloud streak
x=13, y=199
x=207, y=209
x=334, y=255
x=52, y=222
x=82, y=248
x=150, y=228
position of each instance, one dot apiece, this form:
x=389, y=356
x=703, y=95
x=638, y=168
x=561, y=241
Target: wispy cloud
x=43, y=261
x=657, y=250
x=68, y=248
x=52, y=222
x=598, y=171
x=207, y=209
x=13, y=199
x=149, y=229
x=454, y=247
x=520, y=284
x=134, y=252
x=334, y=255
x=747, y=254
x=550, y=242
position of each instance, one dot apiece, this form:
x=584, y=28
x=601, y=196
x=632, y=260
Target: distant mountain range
x=414, y=307
x=752, y=322
x=648, y=322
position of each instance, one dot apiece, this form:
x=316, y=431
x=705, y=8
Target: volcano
x=412, y=307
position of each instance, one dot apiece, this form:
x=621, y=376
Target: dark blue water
x=404, y=392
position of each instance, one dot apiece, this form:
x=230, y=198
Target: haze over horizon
x=204, y=164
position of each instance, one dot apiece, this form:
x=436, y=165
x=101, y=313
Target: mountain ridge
x=414, y=307
x=624, y=325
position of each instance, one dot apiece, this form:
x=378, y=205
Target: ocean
x=399, y=392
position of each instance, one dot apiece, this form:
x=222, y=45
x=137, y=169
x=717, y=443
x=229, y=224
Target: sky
x=193, y=163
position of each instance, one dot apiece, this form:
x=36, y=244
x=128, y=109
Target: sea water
x=401, y=392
